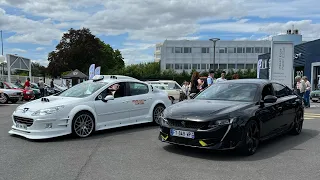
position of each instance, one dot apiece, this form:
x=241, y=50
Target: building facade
x=157, y=52
x=186, y=55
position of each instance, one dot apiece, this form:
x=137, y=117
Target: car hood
x=205, y=110
x=54, y=101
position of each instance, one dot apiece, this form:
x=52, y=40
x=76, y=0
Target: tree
x=78, y=49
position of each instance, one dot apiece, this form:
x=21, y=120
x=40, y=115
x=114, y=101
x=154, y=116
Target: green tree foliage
x=78, y=49
x=151, y=71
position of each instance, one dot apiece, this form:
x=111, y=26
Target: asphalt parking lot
x=135, y=153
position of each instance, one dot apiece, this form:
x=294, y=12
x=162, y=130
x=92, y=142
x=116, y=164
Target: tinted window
x=138, y=88
x=229, y=92
x=279, y=90
x=83, y=89
x=267, y=90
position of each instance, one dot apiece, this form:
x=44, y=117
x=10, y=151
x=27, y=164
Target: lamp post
x=214, y=40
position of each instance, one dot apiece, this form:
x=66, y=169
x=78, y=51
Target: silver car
x=12, y=95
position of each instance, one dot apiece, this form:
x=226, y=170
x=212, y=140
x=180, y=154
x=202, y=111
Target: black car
x=235, y=114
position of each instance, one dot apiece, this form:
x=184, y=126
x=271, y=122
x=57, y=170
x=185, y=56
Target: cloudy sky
x=32, y=28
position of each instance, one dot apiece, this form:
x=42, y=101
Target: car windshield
x=229, y=92
x=11, y=85
x=83, y=89
x=161, y=87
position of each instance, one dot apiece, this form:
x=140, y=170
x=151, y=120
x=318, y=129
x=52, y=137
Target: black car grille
x=187, y=124
x=23, y=120
x=19, y=93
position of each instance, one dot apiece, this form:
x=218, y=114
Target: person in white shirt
x=222, y=78
x=307, y=92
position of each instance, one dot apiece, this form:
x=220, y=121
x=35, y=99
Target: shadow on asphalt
x=267, y=149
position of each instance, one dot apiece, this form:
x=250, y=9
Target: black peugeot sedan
x=235, y=114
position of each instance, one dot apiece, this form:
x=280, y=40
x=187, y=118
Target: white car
x=107, y=101
x=172, y=87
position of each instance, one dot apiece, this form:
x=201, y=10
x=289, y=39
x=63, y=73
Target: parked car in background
x=9, y=95
x=35, y=90
x=50, y=91
x=315, y=96
x=173, y=89
x=27, y=94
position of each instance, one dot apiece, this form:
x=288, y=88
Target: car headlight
x=28, y=92
x=47, y=111
x=222, y=122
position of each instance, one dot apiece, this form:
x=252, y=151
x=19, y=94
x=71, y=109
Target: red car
x=27, y=94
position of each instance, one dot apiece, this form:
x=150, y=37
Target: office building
x=157, y=53
x=186, y=55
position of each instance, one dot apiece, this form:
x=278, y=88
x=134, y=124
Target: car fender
x=156, y=102
x=79, y=108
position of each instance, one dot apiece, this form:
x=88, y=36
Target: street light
x=214, y=40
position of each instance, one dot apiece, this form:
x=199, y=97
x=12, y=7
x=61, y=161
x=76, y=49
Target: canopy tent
x=76, y=76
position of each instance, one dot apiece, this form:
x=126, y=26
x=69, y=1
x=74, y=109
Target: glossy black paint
x=274, y=117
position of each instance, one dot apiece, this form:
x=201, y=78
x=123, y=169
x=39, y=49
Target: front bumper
x=221, y=138
x=39, y=127
x=28, y=96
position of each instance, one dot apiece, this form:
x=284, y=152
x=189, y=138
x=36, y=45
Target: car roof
x=161, y=81
x=251, y=81
x=118, y=78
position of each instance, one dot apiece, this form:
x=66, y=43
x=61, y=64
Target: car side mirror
x=107, y=98
x=270, y=99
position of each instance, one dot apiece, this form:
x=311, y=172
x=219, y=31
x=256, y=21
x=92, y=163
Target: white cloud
x=39, y=48
x=17, y=50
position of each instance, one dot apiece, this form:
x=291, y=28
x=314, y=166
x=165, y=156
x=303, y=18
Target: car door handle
x=125, y=101
x=149, y=98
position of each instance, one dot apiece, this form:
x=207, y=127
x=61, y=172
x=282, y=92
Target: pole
x=1, y=44
x=214, y=55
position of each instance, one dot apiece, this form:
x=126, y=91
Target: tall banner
x=97, y=70
x=91, y=71
x=259, y=65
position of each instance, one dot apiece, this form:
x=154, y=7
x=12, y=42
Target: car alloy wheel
x=83, y=125
x=298, y=123
x=4, y=99
x=157, y=113
x=251, y=139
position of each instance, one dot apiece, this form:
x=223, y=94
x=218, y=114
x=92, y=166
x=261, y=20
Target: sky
x=32, y=28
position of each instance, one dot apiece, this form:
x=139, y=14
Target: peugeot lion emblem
x=25, y=110
x=183, y=123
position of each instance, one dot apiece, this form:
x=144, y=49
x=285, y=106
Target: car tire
x=157, y=112
x=14, y=101
x=251, y=138
x=5, y=99
x=298, y=124
x=83, y=124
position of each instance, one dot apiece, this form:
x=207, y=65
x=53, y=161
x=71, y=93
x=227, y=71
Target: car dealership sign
x=282, y=55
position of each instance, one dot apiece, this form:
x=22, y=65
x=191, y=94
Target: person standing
x=223, y=77
x=211, y=80
x=194, y=83
x=51, y=83
x=68, y=83
x=186, y=88
x=307, y=92
x=27, y=84
x=41, y=87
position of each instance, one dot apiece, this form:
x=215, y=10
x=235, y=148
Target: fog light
x=49, y=125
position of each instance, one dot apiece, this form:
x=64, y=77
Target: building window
x=158, y=48
x=158, y=56
x=231, y=50
x=187, y=50
x=265, y=50
x=203, y=66
x=258, y=50
x=195, y=66
x=178, y=66
x=249, y=50
x=231, y=66
x=185, y=66
x=205, y=50
x=169, y=66
x=239, y=49
x=249, y=66
x=269, y=49
x=178, y=50
x=254, y=65
x=170, y=50
x=221, y=50
x=222, y=66
x=240, y=66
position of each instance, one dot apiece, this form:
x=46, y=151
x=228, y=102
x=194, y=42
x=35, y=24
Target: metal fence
x=34, y=79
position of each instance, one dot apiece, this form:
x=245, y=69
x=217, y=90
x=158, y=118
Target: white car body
x=123, y=111
x=173, y=88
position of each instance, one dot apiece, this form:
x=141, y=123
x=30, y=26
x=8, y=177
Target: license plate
x=184, y=134
x=21, y=126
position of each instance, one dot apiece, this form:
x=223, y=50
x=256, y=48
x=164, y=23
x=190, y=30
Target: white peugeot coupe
x=106, y=101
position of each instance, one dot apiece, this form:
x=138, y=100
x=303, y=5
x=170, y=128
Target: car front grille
x=187, y=124
x=23, y=120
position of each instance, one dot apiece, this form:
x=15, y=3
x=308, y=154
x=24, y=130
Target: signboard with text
x=282, y=55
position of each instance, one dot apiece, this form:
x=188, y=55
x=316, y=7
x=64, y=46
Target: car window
x=267, y=90
x=118, y=90
x=1, y=85
x=173, y=86
x=138, y=88
x=279, y=90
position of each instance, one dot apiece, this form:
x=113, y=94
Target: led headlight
x=47, y=111
x=222, y=122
